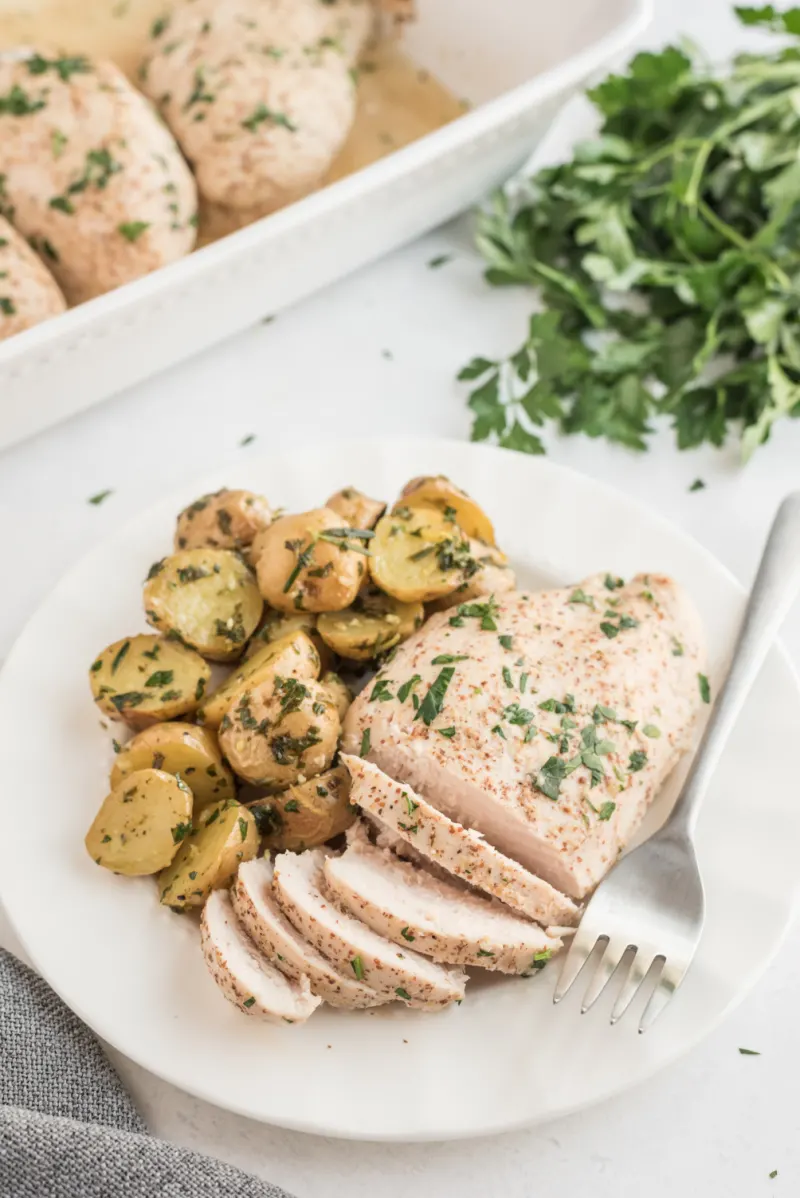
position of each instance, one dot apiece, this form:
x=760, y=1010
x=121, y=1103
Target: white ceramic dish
x=517, y=65
x=507, y=1057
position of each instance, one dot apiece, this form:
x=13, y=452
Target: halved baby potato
x=339, y=691
x=146, y=679
x=439, y=492
x=373, y=623
x=311, y=562
x=206, y=597
x=280, y=732
x=494, y=577
x=210, y=855
x=141, y=823
x=183, y=750
x=306, y=815
x=294, y=655
x=224, y=520
x=356, y=508
x=276, y=624
x=419, y=555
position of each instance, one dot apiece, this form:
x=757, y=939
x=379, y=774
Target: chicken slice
x=243, y=974
x=459, y=850
x=409, y=906
x=546, y=720
x=261, y=917
x=350, y=944
x=28, y=292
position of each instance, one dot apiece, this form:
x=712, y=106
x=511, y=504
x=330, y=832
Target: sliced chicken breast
x=88, y=173
x=262, y=919
x=461, y=851
x=350, y=944
x=28, y=293
x=243, y=974
x=409, y=906
x=545, y=720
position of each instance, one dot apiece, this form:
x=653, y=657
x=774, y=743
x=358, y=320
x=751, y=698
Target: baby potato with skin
x=372, y=624
x=224, y=520
x=419, y=554
x=494, y=577
x=277, y=624
x=293, y=655
x=356, y=508
x=437, y=491
x=308, y=814
x=141, y=823
x=277, y=733
x=311, y=562
x=183, y=750
x=146, y=679
x=91, y=178
x=28, y=292
x=340, y=693
x=259, y=111
x=207, y=598
x=209, y=856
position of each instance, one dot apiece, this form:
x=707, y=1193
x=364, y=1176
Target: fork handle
x=776, y=585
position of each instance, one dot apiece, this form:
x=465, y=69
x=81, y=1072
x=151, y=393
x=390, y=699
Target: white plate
x=505, y=1058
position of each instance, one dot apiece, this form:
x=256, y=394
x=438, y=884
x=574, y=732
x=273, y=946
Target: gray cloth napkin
x=67, y=1126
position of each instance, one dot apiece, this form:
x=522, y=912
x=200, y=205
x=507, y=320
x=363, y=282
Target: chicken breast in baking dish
x=259, y=105
x=88, y=174
x=547, y=721
x=28, y=292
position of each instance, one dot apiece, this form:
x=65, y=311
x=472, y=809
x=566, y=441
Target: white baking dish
x=516, y=61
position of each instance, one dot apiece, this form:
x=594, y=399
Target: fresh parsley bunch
x=666, y=254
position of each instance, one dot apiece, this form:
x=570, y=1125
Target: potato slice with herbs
x=147, y=679
x=374, y=623
x=356, y=508
x=276, y=624
x=419, y=555
x=183, y=750
x=141, y=823
x=280, y=732
x=223, y=837
x=224, y=520
x=306, y=815
x=311, y=562
x=439, y=492
x=494, y=577
x=294, y=655
x=208, y=598
x=339, y=691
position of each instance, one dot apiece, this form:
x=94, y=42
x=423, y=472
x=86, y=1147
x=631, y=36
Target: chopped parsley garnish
x=523, y=683
x=181, y=831
x=128, y=699
x=540, y=959
x=519, y=716
x=133, y=229
x=401, y=993
x=243, y=828
x=652, y=731
x=408, y=935
x=160, y=678
x=613, y=584
x=484, y=953
x=550, y=777
x=365, y=741
x=637, y=760
x=446, y=659
x=439, y=260
x=448, y=732
x=697, y=485
x=749, y=1052
x=381, y=692
x=705, y=688
x=411, y=806
x=509, y=681
x=677, y=648
x=199, y=95
x=566, y=705
x=120, y=654
x=292, y=806
x=498, y=731
x=357, y=966
x=63, y=67
x=262, y=114
x=431, y=705
x=506, y=641
x=485, y=612
x=407, y=687
x=17, y=102
x=303, y=560
x=199, y=690
x=248, y=1002
x=607, y=810
x=580, y=596
x=99, y=498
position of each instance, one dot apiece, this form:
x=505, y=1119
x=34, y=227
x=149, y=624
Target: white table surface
x=377, y=354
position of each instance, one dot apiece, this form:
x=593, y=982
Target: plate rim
x=422, y=445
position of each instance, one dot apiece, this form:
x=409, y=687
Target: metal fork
x=646, y=917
